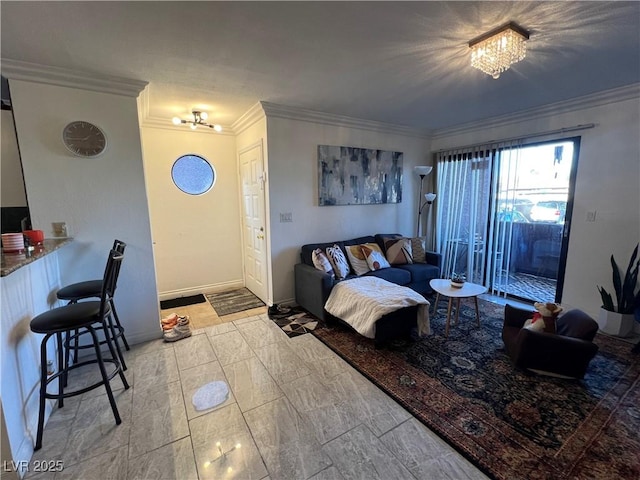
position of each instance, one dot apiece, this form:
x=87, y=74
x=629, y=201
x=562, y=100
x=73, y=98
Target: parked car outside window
x=551, y=211
x=512, y=216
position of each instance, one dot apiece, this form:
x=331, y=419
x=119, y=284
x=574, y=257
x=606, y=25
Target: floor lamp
x=422, y=171
x=429, y=198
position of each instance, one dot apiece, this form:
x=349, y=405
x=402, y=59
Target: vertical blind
x=470, y=233
x=463, y=181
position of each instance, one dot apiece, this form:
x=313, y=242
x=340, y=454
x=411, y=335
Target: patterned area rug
x=510, y=423
x=226, y=303
x=295, y=321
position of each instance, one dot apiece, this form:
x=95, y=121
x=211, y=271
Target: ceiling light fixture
x=495, y=51
x=198, y=120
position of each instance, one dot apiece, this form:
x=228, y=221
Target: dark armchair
x=566, y=353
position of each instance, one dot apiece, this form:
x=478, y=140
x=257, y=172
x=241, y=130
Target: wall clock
x=84, y=139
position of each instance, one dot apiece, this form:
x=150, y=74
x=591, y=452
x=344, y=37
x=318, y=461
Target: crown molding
x=251, y=116
x=305, y=115
x=605, y=97
x=32, y=72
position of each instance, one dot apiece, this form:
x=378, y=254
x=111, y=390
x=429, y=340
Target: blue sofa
x=313, y=286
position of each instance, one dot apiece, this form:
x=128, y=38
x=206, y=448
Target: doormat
x=225, y=303
x=293, y=321
x=182, y=301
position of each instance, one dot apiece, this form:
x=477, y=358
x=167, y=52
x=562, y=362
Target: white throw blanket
x=362, y=301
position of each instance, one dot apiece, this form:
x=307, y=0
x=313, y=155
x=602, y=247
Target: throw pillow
x=356, y=258
x=321, y=262
x=338, y=261
x=375, y=257
x=418, y=249
x=399, y=251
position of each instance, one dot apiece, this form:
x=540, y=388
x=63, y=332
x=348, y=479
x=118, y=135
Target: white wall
x=100, y=199
x=12, y=191
x=608, y=182
x=293, y=187
x=197, y=241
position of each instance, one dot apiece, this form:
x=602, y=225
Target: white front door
x=252, y=177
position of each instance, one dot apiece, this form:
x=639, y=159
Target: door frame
x=568, y=216
x=265, y=209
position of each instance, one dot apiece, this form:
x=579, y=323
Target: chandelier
x=198, y=120
x=495, y=51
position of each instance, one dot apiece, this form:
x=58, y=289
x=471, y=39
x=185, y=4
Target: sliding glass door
x=504, y=215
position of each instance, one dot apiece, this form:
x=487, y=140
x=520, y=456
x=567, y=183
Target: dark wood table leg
x=446, y=328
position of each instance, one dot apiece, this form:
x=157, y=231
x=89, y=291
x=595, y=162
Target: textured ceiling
x=398, y=62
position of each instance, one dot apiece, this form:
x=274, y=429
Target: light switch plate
x=286, y=217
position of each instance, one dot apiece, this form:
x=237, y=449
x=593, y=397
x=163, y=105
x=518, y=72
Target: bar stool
x=83, y=315
x=92, y=289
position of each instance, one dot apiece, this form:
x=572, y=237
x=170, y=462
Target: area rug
x=233, y=301
x=296, y=321
x=510, y=423
x=182, y=301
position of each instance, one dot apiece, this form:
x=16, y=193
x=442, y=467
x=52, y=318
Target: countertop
x=13, y=261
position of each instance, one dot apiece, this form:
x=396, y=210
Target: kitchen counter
x=13, y=261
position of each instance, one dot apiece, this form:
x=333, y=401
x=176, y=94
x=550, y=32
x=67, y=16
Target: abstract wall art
x=358, y=176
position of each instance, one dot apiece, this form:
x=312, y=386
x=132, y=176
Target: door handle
x=261, y=237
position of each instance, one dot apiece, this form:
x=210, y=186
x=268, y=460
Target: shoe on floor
x=170, y=319
x=177, y=333
x=278, y=309
x=179, y=320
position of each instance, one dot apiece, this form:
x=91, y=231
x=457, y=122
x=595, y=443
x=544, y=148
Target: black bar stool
x=87, y=316
x=92, y=289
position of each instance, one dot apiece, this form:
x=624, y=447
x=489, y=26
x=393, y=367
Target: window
x=193, y=174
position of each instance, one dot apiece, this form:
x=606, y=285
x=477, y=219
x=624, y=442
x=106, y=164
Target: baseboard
x=290, y=302
x=211, y=288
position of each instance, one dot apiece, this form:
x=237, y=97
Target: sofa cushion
x=421, y=272
x=360, y=240
x=374, y=256
x=357, y=259
x=338, y=261
x=306, y=251
x=321, y=262
x=399, y=251
x=393, y=275
x=381, y=238
x=418, y=250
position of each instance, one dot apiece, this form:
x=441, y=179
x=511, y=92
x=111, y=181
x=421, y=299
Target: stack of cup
x=12, y=242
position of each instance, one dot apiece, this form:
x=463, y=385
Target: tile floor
x=296, y=409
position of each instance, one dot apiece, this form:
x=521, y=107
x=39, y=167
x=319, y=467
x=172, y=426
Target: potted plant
x=457, y=280
x=617, y=319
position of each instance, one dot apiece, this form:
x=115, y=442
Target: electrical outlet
x=286, y=217
x=591, y=216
